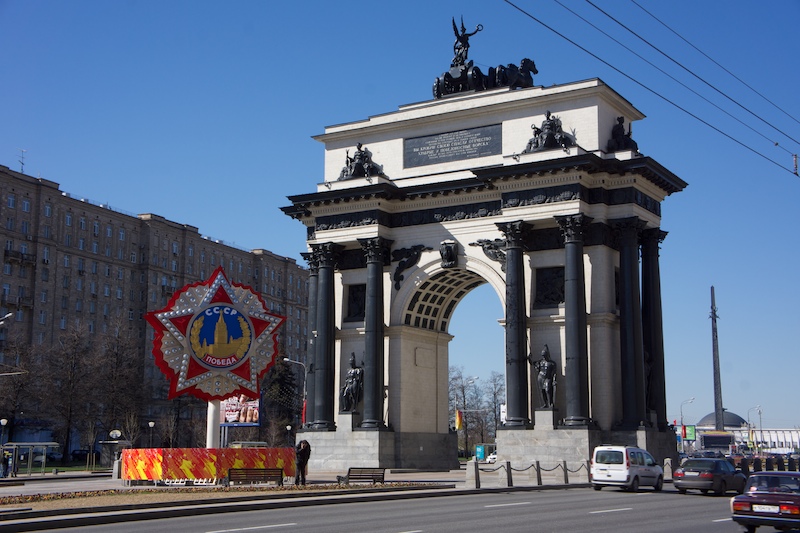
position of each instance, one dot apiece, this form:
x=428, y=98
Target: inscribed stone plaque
x=452, y=146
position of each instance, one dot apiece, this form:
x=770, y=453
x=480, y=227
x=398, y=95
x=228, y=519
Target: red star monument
x=215, y=339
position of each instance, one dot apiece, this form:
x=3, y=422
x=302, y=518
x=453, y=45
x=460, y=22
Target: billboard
x=239, y=411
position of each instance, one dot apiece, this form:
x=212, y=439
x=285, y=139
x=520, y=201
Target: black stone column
x=326, y=255
x=517, y=402
x=576, y=371
x=376, y=251
x=653, y=327
x=630, y=323
x=310, y=384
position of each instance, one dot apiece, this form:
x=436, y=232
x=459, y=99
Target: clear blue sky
x=203, y=112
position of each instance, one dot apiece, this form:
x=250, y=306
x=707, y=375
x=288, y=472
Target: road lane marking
x=723, y=520
x=252, y=528
x=612, y=510
x=506, y=504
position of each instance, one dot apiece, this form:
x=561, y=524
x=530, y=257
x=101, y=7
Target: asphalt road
x=570, y=510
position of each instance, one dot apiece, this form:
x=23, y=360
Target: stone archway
x=557, y=234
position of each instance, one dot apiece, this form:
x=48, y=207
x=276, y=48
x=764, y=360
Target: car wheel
x=750, y=529
x=635, y=485
x=597, y=487
x=659, y=484
x=722, y=489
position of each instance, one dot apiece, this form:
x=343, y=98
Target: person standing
x=303, y=452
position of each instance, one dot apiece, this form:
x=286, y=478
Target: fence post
x=566, y=473
x=509, y=480
x=538, y=474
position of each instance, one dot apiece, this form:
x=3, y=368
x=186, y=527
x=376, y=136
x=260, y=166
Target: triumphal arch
x=542, y=193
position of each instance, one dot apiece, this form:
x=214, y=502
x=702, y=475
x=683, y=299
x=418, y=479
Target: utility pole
x=719, y=421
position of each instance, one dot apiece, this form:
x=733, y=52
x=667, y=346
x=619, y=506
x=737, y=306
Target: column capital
x=376, y=250
x=326, y=253
x=313, y=263
x=515, y=232
x=572, y=226
x=654, y=235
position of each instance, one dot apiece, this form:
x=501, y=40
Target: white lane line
x=611, y=510
x=506, y=504
x=723, y=520
x=412, y=531
x=252, y=528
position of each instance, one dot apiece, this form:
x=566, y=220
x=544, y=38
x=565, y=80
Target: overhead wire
x=670, y=76
x=651, y=45
x=645, y=87
x=776, y=106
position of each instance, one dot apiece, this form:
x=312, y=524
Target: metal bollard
x=477, y=475
x=566, y=472
x=538, y=474
x=509, y=481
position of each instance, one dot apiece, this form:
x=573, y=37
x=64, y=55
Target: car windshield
x=608, y=457
x=759, y=483
x=698, y=464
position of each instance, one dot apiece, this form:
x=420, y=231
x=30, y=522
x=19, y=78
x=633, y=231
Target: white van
x=626, y=467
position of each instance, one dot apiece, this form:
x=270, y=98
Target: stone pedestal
x=545, y=418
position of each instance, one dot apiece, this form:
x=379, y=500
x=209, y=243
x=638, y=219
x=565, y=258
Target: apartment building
x=68, y=259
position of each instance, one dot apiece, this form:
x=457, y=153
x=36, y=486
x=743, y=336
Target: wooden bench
x=255, y=475
x=375, y=475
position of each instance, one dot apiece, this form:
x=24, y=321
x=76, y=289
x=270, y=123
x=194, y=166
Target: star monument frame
x=215, y=339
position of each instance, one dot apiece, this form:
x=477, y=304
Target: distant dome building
x=729, y=420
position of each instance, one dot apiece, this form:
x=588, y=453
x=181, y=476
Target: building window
x=42, y=317
x=174, y=247
x=68, y=219
x=63, y=322
x=121, y=234
x=66, y=261
x=25, y=227
x=81, y=243
x=10, y=223
x=133, y=257
x=12, y=201
x=48, y=210
x=96, y=229
x=47, y=232
x=26, y=205
x=68, y=240
x=109, y=232
x=82, y=223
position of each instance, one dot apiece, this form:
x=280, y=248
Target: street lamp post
x=3, y=422
x=468, y=382
x=305, y=379
x=152, y=425
x=683, y=431
x=749, y=426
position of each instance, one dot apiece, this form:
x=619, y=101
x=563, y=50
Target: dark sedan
x=717, y=475
x=772, y=499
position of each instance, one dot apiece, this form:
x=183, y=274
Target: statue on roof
x=550, y=135
x=621, y=140
x=360, y=165
x=461, y=45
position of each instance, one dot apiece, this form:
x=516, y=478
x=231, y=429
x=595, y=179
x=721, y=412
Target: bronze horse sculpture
x=513, y=76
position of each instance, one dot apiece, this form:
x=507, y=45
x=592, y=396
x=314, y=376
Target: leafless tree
x=118, y=372
x=131, y=427
x=66, y=383
x=495, y=390
x=17, y=386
